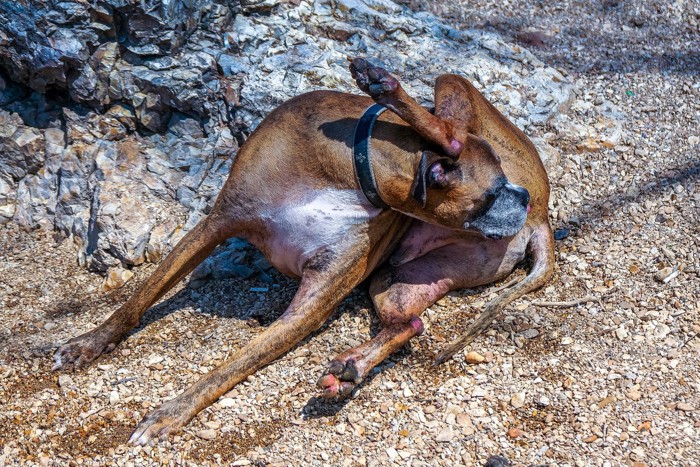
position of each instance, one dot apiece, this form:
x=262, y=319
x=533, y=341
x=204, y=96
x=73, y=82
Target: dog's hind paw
x=374, y=80
x=80, y=351
x=340, y=379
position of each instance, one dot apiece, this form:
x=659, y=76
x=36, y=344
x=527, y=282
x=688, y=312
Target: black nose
x=520, y=193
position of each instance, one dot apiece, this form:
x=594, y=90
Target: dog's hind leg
x=188, y=253
x=400, y=295
x=325, y=282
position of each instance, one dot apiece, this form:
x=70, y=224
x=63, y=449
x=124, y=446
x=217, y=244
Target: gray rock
x=149, y=101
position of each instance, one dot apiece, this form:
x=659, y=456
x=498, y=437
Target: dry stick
x=688, y=340
x=578, y=301
x=569, y=304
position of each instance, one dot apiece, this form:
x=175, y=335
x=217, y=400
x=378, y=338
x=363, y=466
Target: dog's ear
x=454, y=105
x=418, y=190
x=433, y=172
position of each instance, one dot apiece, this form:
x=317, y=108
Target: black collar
x=361, y=155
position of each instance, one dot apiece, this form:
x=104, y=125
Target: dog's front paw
x=81, y=350
x=374, y=80
x=340, y=379
x=167, y=419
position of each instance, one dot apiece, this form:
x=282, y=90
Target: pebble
x=474, y=358
x=518, y=400
x=685, y=407
x=621, y=333
x=116, y=278
x=227, y=402
x=515, y=433
x=530, y=333
x=464, y=420
x=445, y=436
x=208, y=434
x=65, y=381
x=497, y=461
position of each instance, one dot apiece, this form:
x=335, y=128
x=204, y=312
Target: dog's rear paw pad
x=373, y=80
x=340, y=379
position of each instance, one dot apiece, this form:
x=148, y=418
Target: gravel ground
x=609, y=382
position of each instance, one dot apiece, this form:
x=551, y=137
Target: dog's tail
x=541, y=247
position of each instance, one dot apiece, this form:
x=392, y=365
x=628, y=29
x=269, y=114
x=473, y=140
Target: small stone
x=634, y=395
x=113, y=397
x=464, y=420
x=116, y=278
x=684, y=407
x=644, y=426
x=497, y=461
x=445, y=436
x=590, y=439
x=666, y=274
x=530, y=333
x=474, y=358
x=607, y=401
x=65, y=381
x=50, y=326
x=515, y=433
x=543, y=401
x=567, y=341
x=518, y=400
x=227, y=402
x=621, y=333
x=340, y=428
x=206, y=434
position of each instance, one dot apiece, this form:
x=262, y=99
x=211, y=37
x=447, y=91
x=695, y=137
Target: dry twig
x=578, y=301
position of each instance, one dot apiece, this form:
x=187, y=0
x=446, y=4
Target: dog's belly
x=317, y=220
x=489, y=260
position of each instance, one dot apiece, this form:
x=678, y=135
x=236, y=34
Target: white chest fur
x=315, y=220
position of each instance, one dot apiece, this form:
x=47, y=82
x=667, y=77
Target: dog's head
x=468, y=192
x=466, y=189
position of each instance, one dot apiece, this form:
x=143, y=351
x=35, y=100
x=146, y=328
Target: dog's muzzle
x=506, y=214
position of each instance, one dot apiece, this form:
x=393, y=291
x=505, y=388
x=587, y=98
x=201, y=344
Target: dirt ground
x=611, y=382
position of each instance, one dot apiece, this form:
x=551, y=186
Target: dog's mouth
x=505, y=215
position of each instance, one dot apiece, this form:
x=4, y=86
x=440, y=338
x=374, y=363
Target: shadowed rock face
x=119, y=120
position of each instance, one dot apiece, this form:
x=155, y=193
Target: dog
x=334, y=191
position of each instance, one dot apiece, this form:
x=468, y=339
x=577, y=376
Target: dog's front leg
x=386, y=90
x=326, y=280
